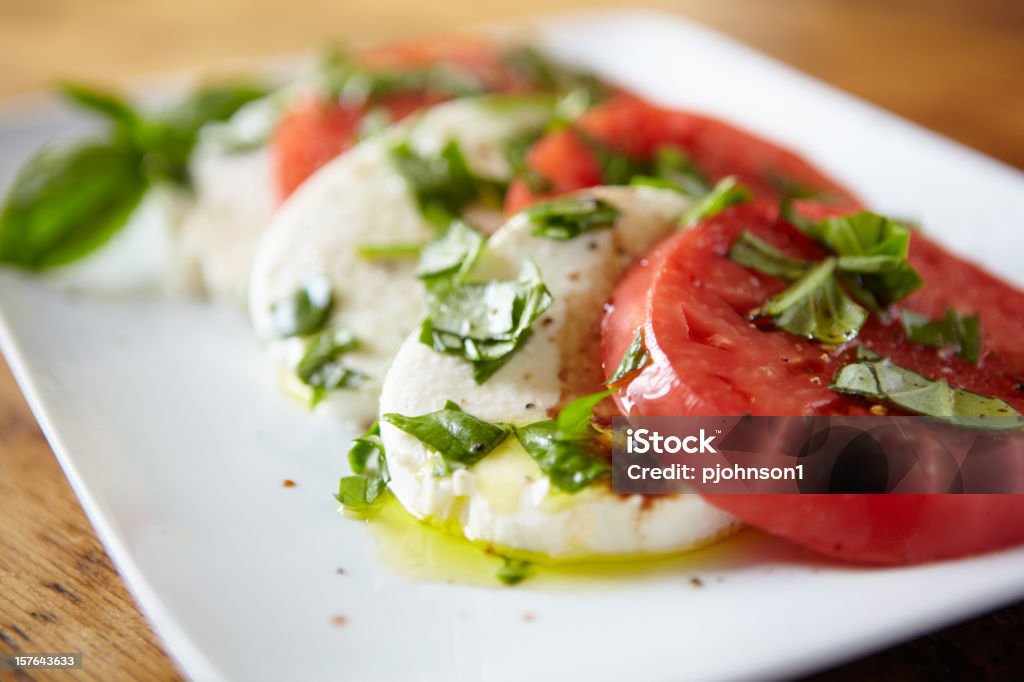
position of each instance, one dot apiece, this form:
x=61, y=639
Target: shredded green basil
x=394, y=251
x=753, y=252
x=879, y=379
x=674, y=169
x=452, y=255
x=568, y=217
x=550, y=76
x=513, y=571
x=568, y=449
x=339, y=77
x=306, y=311
x=617, y=168
x=460, y=439
x=959, y=332
x=443, y=184
x=635, y=359
x=370, y=475
x=321, y=366
x=726, y=192
x=816, y=307
x=485, y=322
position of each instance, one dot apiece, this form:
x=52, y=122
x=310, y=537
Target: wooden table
x=952, y=66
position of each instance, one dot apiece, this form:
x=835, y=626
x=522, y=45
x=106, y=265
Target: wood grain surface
x=952, y=66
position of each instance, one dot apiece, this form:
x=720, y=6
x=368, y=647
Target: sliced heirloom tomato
x=568, y=161
x=315, y=130
x=709, y=358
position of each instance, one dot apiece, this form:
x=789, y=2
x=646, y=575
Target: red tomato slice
x=709, y=359
x=638, y=129
x=315, y=131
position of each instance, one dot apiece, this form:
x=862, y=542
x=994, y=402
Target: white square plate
x=173, y=434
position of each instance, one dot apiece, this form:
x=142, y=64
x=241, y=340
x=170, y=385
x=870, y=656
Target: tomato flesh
x=709, y=359
x=638, y=129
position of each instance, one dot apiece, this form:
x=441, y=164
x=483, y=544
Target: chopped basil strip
x=515, y=153
x=569, y=450
x=485, y=322
x=727, y=192
x=370, y=474
x=816, y=307
x=872, y=254
x=339, y=77
x=755, y=253
x=460, y=439
x=569, y=217
x=304, y=312
x=513, y=571
x=617, y=168
x=395, y=251
x=452, y=255
x=70, y=199
x=321, y=366
x=635, y=359
x=442, y=183
x=674, y=170
x=550, y=76
x=959, y=332
x=878, y=379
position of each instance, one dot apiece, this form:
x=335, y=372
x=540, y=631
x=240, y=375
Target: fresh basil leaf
x=107, y=105
x=816, y=307
x=485, y=322
x=753, y=252
x=568, y=217
x=959, y=332
x=452, y=255
x=635, y=359
x=513, y=571
x=460, y=439
x=574, y=420
x=872, y=254
x=212, y=103
x=67, y=201
x=321, y=366
x=395, y=251
x=726, y=192
x=676, y=167
x=571, y=465
x=370, y=475
x=306, y=311
x=443, y=184
x=879, y=379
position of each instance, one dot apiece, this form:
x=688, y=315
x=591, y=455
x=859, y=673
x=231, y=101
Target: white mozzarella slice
x=361, y=198
x=235, y=199
x=505, y=500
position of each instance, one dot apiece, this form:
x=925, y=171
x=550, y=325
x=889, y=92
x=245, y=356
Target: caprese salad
x=488, y=254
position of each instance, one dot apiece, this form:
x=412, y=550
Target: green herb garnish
x=879, y=379
x=513, y=571
x=321, y=367
x=550, y=76
x=485, y=322
x=370, y=474
x=755, y=253
x=568, y=449
x=617, y=167
x=568, y=217
x=339, y=77
x=443, y=184
x=673, y=169
x=726, y=192
x=452, y=255
x=69, y=199
x=306, y=311
x=460, y=439
x=635, y=359
x=816, y=307
x=957, y=331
